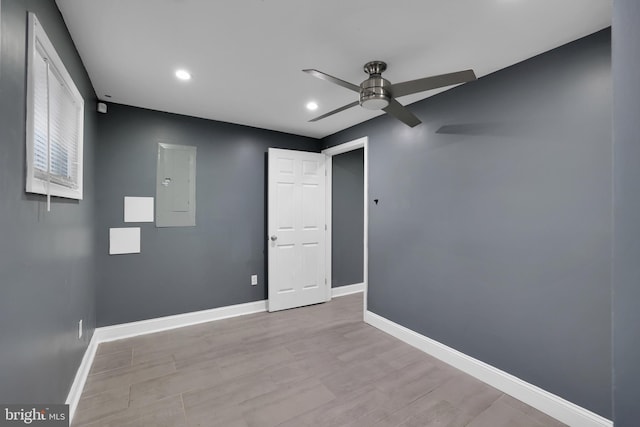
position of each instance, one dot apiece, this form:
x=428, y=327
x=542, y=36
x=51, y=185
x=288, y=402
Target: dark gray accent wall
x=46, y=258
x=493, y=230
x=347, y=218
x=186, y=268
x=626, y=181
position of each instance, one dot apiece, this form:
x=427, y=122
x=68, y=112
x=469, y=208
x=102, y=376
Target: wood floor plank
x=431, y=413
x=239, y=365
x=355, y=376
x=340, y=411
x=540, y=417
x=409, y=384
x=167, y=412
x=467, y=393
x=227, y=393
x=127, y=375
x=272, y=409
x=110, y=361
x=100, y=405
x=113, y=347
x=177, y=382
x=501, y=414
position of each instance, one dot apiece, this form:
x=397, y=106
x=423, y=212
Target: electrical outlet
x=80, y=329
x=254, y=279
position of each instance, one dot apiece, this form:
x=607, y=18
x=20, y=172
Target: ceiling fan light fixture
x=374, y=102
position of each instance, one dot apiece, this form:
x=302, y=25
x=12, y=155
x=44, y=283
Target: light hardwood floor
x=312, y=366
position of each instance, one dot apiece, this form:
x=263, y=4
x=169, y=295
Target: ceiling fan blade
x=433, y=82
x=337, y=110
x=401, y=113
x=327, y=77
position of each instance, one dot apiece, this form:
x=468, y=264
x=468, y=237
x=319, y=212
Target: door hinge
x=325, y=227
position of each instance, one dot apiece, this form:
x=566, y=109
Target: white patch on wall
x=0, y=36
x=138, y=209
x=124, y=240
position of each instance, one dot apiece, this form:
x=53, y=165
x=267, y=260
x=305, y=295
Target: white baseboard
x=555, y=406
x=128, y=330
x=341, y=291
x=81, y=377
x=133, y=329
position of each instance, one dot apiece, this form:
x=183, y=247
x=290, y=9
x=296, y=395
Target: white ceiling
x=246, y=56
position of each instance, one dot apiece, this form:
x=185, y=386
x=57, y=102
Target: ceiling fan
x=377, y=93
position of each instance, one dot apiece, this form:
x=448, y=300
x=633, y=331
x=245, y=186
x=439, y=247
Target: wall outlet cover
x=254, y=279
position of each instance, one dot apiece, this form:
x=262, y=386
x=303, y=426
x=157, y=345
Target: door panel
x=296, y=229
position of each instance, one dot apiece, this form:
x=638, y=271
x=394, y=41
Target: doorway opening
x=347, y=147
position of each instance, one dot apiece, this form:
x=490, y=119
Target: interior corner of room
x=499, y=235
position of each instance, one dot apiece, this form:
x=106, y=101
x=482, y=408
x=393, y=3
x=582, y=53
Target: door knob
x=274, y=238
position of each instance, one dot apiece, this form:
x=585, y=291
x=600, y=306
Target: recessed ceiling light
x=183, y=75
x=312, y=106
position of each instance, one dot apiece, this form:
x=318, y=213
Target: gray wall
x=493, y=230
x=626, y=247
x=187, y=268
x=347, y=218
x=46, y=258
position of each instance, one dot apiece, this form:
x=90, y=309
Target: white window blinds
x=54, y=122
x=40, y=113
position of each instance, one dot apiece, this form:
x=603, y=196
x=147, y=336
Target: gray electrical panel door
x=176, y=186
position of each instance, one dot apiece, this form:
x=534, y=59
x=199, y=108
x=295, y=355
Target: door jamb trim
x=330, y=152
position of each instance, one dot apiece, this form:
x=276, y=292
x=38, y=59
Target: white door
x=296, y=229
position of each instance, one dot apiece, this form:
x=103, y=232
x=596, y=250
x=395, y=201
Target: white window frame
x=36, y=182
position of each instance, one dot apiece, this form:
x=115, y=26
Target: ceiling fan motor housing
x=374, y=93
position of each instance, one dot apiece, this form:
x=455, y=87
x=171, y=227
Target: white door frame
x=330, y=152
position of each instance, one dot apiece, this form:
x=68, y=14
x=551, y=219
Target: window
x=55, y=119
